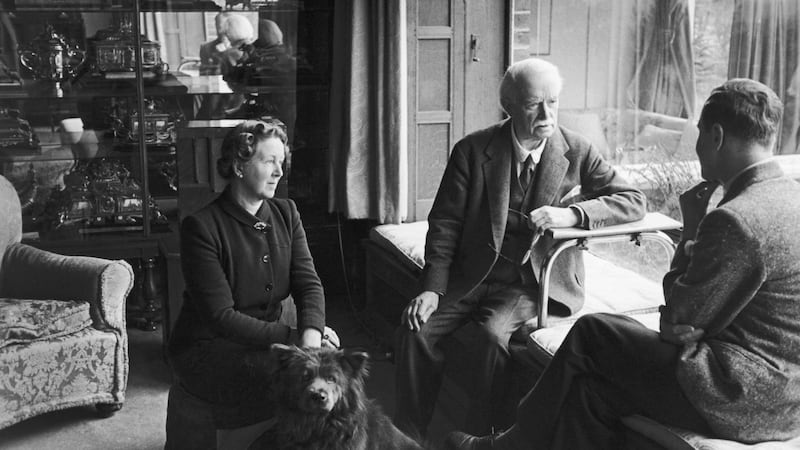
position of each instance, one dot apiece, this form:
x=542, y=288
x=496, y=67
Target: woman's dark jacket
x=239, y=267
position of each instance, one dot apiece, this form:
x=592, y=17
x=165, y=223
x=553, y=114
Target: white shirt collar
x=522, y=152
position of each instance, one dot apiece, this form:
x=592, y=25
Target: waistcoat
x=517, y=237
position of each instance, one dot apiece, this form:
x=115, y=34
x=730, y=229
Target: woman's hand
x=330, y=339
x=312, y=338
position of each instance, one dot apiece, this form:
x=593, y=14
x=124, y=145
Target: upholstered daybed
x=394, y=260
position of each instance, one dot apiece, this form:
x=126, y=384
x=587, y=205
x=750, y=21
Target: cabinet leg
x=149, y=294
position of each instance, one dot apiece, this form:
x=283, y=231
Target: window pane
x=434, y=75
x=434, y=13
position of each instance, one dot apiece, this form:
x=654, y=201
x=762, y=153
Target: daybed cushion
x=603, y=278
x=671, y=438
x=406, y=241
x=30, y=320
x=544, y=342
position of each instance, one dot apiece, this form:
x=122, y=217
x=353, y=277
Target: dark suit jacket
x=236, y=276
x=468, y=218
x=742, y=286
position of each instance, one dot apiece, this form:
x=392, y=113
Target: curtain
x=664, y=78
x=651, y=67
x=764, y=46
x=368, y=113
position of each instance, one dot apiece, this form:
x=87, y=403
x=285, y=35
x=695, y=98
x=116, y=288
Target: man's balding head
x=529, y=94
x=524, y=72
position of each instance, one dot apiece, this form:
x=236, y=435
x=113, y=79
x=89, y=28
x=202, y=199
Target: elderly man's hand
x=543, y=218
x=419, y=310
x=674, y=333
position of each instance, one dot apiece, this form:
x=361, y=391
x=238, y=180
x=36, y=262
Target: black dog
x=321, y=405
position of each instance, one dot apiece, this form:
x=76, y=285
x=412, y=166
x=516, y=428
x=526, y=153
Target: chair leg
x=106, y=410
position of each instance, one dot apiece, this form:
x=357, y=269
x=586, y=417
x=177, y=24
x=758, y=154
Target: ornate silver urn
x=49, y=57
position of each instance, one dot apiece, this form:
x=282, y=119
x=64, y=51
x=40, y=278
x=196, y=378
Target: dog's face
x=316, y=380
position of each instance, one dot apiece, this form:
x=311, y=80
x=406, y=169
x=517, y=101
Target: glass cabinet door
x=70, y=140
x=104, y=102
x=236, y=63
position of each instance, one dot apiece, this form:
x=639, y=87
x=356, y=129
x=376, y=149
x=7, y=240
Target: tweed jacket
x=237, y=275
x=468, y=218
x=741, y=284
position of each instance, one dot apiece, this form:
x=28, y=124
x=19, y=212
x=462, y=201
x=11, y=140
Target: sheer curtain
x=651, y=65
x=764, y=46
x=664, y=78
x=368, y=153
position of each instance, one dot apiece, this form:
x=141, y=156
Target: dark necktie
x=526, y=175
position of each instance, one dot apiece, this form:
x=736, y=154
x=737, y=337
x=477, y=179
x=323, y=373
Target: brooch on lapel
x=261, y=226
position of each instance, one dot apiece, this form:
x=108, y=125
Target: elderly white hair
x=237, y=28
x=521, y=70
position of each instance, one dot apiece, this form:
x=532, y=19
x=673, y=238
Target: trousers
x=497, y=310
x=608, y=367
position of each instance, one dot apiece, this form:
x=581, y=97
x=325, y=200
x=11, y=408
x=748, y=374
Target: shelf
x=169, y=84
x=89, y=86
x=98, y=143
x=147, y=5
x=109, y=5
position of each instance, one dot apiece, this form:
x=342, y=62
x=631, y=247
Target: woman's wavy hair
x=240, y=143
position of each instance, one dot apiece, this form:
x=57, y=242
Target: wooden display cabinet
x=109, y=132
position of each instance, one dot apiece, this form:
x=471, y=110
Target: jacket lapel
x=497, y=170
x=550, y=171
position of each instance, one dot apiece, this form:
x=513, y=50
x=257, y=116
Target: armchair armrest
x=30, y=273
x=651, y=227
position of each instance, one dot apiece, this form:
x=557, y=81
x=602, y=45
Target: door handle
x=473, y=47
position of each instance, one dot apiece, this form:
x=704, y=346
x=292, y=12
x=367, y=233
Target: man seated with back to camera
x=503, y=187
x=726, y=360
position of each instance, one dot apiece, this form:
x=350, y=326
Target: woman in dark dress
x=241, y=256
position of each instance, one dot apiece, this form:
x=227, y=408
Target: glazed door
x=456, y=57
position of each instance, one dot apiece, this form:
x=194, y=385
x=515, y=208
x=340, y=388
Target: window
x=638, y=71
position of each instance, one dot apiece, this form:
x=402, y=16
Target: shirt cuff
x=583, y=219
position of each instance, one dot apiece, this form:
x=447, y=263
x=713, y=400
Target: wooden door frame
x=415, y=34
x=460, y=60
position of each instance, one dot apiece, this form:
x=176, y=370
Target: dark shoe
x=463, y=441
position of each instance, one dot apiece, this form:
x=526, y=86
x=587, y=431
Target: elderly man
x=725, y=361
x=502, y=188
x=217, y=57
x=211, y=52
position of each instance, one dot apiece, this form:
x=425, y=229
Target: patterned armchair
x=62, y=326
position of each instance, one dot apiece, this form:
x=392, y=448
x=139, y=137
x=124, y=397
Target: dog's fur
x=320, y=404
